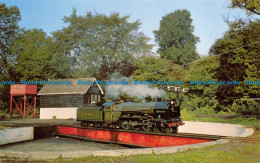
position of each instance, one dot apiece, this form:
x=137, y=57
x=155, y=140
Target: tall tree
x=176, y=39
x=101, y=44
x=150, y=68
x=252, y=6
x=240, y=61
x=9, y=18
x=201, y=97
x=36, y=58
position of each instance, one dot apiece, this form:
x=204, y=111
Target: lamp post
x=178, y=91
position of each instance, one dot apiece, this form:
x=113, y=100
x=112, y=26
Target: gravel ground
x=58, y=144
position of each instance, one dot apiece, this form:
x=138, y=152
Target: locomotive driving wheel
x=147, y=127
x=83, y=123
x=156, y=129
x=175, y=129
x=125, y=125
x=96, y=124
x=168, y=130
x=135, y=125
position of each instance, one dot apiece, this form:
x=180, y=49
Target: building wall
x=64, y=106
x=59, y=113
x=61, y=101
x=61, y=106
x=13, y=135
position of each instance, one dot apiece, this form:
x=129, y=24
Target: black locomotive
x=155, y=116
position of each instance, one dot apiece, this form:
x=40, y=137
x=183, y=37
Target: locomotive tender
x=156, y=116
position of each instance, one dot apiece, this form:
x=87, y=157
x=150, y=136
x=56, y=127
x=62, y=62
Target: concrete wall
x=211, y=128
x=12, y=135
x=60, y=113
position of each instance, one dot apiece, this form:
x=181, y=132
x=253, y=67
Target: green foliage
x=176, y=39
x=2, y=113
x=201, y=97
x=190, y=102
x=101, y=44
x=252, y=6
x=187, y=115
x=240, y=61
x=238, y=120
x=36, y=58
x=236, y=106
x=3, y=127
x=9, y=18
x=3, y=98
x=202, y=105
x=205, y=110
x=152, y=67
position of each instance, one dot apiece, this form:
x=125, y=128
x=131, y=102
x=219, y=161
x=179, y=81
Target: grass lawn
x=3, y=127
x=190, y=116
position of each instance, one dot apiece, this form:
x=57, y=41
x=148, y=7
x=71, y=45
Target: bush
x=190, y=104
x=3, y=114
x=187, y=115
x=205, y=110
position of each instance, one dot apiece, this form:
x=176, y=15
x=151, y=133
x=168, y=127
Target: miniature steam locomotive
x=150, y=116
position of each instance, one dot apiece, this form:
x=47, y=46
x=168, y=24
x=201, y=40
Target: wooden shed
x=63, y=100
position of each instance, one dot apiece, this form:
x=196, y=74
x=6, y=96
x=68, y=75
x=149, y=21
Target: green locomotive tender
x=156, y=116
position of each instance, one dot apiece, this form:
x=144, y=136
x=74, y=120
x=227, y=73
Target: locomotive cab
x=174, y=111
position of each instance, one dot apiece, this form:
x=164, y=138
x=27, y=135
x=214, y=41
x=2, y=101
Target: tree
x=252, y=6
x=150, y=68
x=176, y=39
x=101, y=44
x=36, y=58
x=240, y=61
x=160, y=72
x=201, y=97
x=9, y=18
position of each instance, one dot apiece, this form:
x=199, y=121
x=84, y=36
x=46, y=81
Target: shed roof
x=74, y=88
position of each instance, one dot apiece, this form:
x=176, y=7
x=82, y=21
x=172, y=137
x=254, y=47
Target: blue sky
x=207, y=15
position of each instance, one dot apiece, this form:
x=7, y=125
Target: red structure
x=129, y=138
x=23, y=96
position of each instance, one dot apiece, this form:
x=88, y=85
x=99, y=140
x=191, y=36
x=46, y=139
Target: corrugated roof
x=108, y=103
x=74, y=88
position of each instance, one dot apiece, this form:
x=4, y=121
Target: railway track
x=222, y=137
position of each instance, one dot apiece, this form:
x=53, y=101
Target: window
x=99, y=99
x=92, y=98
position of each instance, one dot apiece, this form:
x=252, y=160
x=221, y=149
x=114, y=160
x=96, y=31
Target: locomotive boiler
x=150, y=116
